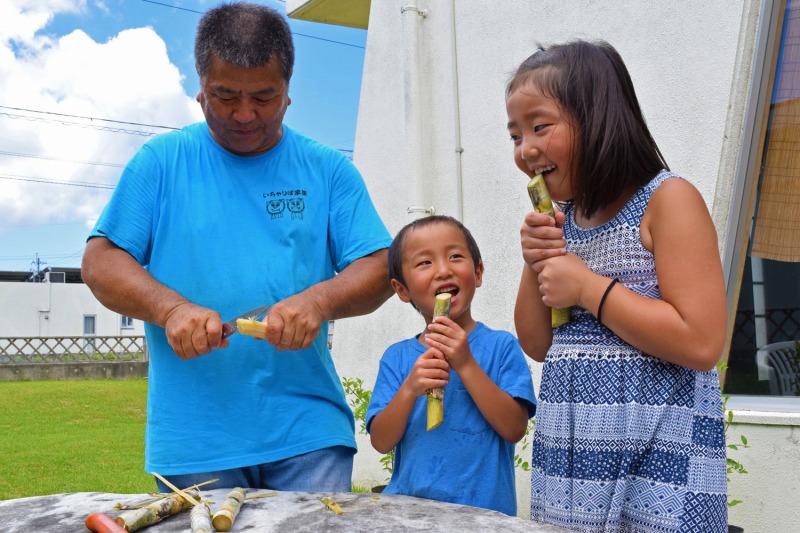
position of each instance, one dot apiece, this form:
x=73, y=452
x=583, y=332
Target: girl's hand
x=541, y=237
x=562, y=280
x=451, y=340
x=429, y=371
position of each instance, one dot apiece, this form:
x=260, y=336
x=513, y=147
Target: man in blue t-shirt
x=224, y=216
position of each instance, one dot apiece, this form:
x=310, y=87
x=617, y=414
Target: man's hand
x=294, y=323
x=193, y=330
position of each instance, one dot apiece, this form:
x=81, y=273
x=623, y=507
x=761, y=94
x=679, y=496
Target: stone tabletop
x=283, y=512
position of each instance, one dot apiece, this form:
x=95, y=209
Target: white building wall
x=690, y=63
x=55, y=310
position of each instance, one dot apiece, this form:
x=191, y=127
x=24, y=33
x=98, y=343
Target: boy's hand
x=450, y=339
x=429, y=371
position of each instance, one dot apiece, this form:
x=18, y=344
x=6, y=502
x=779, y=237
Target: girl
x=629, y=431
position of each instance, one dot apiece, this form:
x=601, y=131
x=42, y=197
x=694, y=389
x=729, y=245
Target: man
x=217, y=219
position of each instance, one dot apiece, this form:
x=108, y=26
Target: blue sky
x=84, y=83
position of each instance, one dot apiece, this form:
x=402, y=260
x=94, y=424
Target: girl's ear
x=401, y=291
x=479, y=274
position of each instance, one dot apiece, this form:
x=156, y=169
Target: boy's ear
x=479, y=274
x=401, y=291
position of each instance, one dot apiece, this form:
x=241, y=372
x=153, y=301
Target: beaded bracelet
x=603, y=299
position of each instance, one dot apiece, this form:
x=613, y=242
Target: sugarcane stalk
x=252, y=327
x=225, y=515
x=136, y=519
x=332, y=505
x=200, y=519
x=435, y=396
x=542, y=203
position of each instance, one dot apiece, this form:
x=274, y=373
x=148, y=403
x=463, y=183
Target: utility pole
x=38, y=271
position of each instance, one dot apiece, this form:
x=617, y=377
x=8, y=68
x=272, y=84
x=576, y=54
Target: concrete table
x=285, y=512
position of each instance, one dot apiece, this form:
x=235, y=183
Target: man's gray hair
x=244, y=34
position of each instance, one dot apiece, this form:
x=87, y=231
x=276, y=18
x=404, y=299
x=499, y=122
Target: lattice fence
x=26, y=350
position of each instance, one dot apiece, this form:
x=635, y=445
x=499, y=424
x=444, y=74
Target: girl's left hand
x=450, y=339
x=562, y=279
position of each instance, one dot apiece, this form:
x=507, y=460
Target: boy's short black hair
x=396, y=248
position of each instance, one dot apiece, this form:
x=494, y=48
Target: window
x=88, y=331
x=765, y=285
x=125, y=322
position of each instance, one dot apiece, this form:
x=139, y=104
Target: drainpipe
x=457, y=116
x=411, y=16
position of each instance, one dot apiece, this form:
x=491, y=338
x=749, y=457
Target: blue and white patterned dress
x=625, y=441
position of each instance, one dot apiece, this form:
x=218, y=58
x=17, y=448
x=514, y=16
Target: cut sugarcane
x=155, y=512
x=540, y=198
x=332, y=505
x=200, y=519
x=436, y=395
x=224, y=517
x=252, y=327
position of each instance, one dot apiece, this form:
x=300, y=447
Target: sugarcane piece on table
x=225, y=515
x=435, y=405
x=542, y=203
x=200, y=519
x=252, y=327
x=155, y=512
x=332, y=505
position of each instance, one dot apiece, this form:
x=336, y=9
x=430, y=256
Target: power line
x=89, y=118
x=33, y=156
x=56, y=182
x=162, y=4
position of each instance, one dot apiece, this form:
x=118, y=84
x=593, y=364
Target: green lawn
x=72, y=436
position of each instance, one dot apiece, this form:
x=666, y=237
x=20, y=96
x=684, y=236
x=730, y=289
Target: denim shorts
x=325, y=470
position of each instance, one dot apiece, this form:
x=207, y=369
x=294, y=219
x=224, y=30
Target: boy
x=488, y=396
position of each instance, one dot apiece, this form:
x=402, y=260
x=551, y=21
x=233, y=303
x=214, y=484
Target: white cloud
x=51, y=81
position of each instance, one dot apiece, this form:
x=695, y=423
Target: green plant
x=358, y=398
x=733, y=466
x=525, y=443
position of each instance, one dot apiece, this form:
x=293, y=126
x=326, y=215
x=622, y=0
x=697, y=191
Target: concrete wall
x=94, y=370
x=55, y=310
x=691, y=65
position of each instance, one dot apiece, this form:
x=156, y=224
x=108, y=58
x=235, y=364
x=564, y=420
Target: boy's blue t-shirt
x=464, y=460
x=231, y=233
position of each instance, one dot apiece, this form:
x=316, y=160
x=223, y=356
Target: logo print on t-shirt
x=275, y=208
x=296, y=207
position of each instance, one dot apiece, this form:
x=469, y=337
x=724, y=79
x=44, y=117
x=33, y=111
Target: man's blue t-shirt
x=231, y=233
x=464, y=460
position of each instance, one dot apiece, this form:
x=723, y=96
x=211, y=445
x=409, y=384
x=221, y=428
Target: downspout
x=411, y=15
x=457, y=117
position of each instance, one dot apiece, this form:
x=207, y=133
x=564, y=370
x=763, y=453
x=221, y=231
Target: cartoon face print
x=296, y=207
x=275, y=208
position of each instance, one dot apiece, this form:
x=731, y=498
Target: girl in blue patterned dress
x=629, y=430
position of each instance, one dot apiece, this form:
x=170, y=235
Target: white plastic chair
x=778, y=363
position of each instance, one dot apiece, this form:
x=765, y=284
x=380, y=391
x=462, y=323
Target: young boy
x=488, y=392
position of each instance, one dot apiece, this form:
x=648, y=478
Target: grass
x=72, y=436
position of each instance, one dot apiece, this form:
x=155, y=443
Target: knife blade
x=230, y=327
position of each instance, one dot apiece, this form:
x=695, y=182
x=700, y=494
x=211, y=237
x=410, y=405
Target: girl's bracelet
x=603, y=299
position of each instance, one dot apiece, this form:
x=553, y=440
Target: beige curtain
x=777, y=228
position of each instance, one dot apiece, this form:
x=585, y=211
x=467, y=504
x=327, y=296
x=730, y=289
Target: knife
x=230, y=327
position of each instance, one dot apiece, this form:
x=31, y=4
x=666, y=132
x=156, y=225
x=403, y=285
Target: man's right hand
x=193, y=330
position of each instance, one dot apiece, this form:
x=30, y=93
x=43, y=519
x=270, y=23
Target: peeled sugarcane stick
x=332, y=505
x=155, y=512
x=200, y=519
x=252, y=327
x=540, y=198
x=436, y=395
x=225, y=515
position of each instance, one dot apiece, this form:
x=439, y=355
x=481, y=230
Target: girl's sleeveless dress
x=625, y=441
